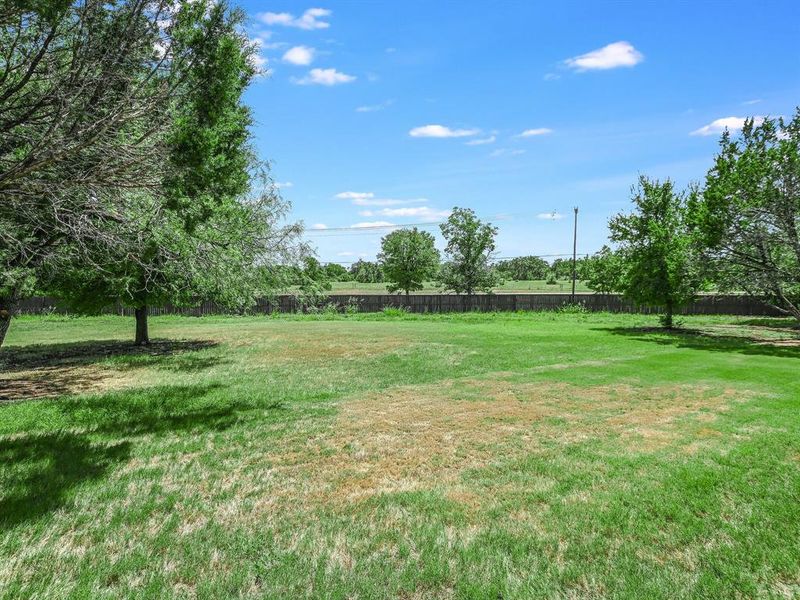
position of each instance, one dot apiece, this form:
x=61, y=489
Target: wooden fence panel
x=438, y=303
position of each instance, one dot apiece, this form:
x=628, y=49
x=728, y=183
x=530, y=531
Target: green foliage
x=657, y=251
x=312, y=281
x=470, y=244
x=604, y=271
x=747, y=219
x=408, y=259
x=209, y=142
x=573, y=308
x=523, y=268
x=336, y=272
x=68, y=73
x=562, y=268
x=395, y=311
x=352, y=306
x=365, y=271
x=230, y=257
x=147, y=198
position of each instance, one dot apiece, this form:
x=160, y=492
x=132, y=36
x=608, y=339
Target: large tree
x=748, y=216
x=470, y=244
x=408, y=258
x=88, y=96
x=656, y=249
x=233, y=256
x=154, y=163
x=191, y=238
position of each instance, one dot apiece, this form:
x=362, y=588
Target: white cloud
x=372, y=224
x=717, y=126
x=419, y=212
x=551, y=76
x=440, y=131
x=535, y=132
x=551, y=216
x=310, y=19
x=299, y=55
x=324, y=77
x=489, y=140
x=505, y=152
x=283, y=184
x=375, y=107
x=319, y=226
x=369, y=199
x=751, y=102
x=354, y=195
x=618, y=54
x=258, y=61
x=387, y=202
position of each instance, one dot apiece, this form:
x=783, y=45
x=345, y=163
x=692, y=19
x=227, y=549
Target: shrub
x=573, y=308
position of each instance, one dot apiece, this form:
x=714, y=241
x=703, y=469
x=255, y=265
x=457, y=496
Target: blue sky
x=394, y=112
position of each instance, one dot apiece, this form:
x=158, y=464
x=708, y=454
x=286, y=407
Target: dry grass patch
x=426, y=436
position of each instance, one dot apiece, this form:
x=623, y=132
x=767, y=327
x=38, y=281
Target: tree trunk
x=668, y=321
x=8, y=306
x=142, y=335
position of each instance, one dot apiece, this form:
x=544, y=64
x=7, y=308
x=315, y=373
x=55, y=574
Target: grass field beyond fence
x=400, y=456
x=562, y=286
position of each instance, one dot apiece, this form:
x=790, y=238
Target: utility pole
x=574, y=253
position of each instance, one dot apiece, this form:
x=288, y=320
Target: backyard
x=390, y=455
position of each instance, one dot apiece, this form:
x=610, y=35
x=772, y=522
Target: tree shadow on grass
x=159, y=353
x=779, y=323
x=51, y=370
x=697, y=339
x=40, y=470
x=88, y=437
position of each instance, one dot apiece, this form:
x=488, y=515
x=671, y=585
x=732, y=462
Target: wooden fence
x=438, y=303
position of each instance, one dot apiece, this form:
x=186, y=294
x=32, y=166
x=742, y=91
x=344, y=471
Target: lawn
x=377, y=456
x=534, y=286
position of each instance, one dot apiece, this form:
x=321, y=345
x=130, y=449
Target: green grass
x=367, y=456
x=509, y=287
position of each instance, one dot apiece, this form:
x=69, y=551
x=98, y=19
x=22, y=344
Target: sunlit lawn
x=468, y=456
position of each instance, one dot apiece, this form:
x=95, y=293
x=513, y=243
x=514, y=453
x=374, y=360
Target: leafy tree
x=470, y=244
x=408, y=258
x=232, y=256
x=523, y=268
x=336, y=272
x=656, y=247
x=748, y=217
x=562, y=268
x=99, y=104
x=365, y=271
x=604, y=271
